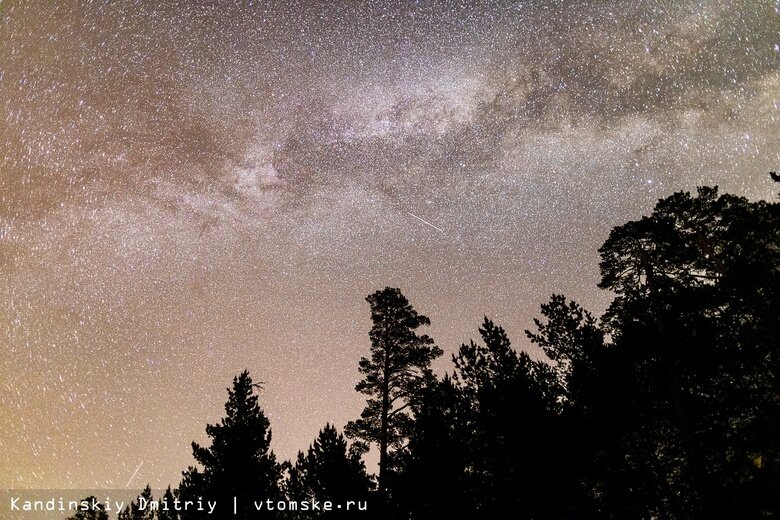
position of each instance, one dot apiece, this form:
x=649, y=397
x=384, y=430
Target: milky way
x=188, y=189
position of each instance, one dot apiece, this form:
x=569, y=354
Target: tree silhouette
x=436, y=467
x=571, y=338
x=170, y=513
x=510, y=411
x=329, y=471
x=394, y=375
x=695, y=286
x=239, y=463
x=590, y=395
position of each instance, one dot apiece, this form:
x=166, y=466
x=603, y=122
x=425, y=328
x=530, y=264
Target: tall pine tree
x=393, y=376
x=697, y=287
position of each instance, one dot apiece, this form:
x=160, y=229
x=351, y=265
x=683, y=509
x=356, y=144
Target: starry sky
x=188, y=189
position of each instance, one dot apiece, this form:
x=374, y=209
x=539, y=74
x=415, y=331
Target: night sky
x=194, y=188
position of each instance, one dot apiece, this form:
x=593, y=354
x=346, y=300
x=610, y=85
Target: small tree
x=133, y=510
x=394, y=375
x=170, y=513
x=329, y=471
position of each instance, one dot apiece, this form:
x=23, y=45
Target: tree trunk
x=384, y=426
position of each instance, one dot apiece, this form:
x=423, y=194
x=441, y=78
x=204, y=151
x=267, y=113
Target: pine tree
x=168, y=499
x=329, y=471
x=436, y=467
x=572, y=339
x=509, y=412
x=587, y=393
x=239, y=463
x=394, y=375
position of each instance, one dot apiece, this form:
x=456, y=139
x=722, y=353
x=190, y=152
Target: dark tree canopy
x=508, y=414
x=329, y=471
x=696, y=314
x=573, y=340
x=170, y=513
x=436, y=466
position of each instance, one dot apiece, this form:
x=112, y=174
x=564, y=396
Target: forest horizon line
x=664, y=406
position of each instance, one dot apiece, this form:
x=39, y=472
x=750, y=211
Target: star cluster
x=191, y=188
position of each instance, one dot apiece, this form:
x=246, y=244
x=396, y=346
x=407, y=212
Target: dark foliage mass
x=666, y=407
x=329, y=471
x=239, y=463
